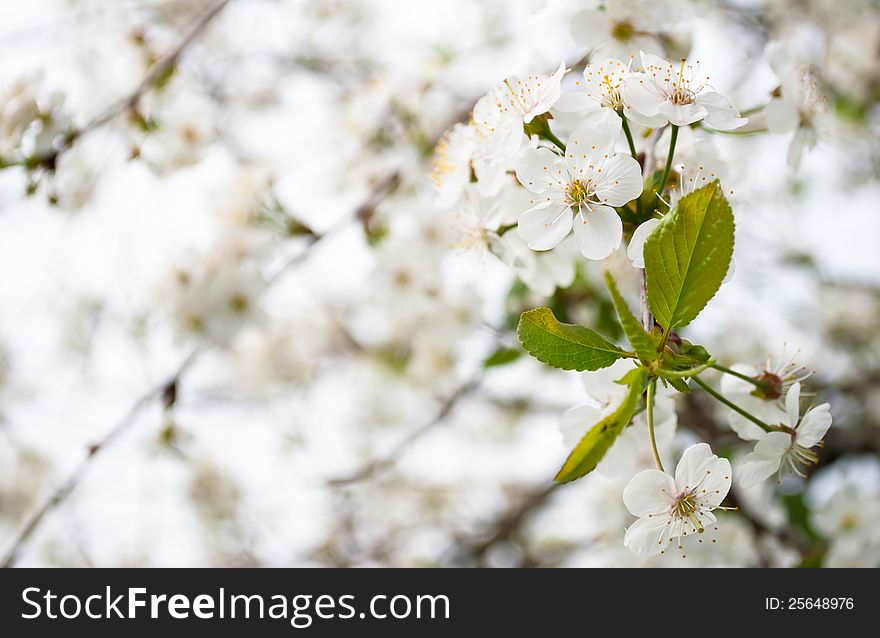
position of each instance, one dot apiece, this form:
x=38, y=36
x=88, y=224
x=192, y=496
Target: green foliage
x=564, y=345
x=598, y=440
x=643, y=343
x=687, y=256
x=502, y=356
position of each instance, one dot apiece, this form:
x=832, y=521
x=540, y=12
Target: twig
x=377, y=465
x=508, y=524
x=166, y=391
x=128, y=103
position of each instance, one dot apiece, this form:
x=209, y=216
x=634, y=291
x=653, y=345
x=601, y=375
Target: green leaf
x=563, y=345
x=643, y=344
x=687, y=256
x=502, y=356
x=598, y=440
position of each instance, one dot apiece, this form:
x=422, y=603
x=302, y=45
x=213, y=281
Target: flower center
x=769, y=386
x=577, y=192
x=685, y=504
x=622, y=31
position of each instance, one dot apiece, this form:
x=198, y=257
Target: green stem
x=548, y=135
x=652, y=388
x=730, y=404
x=632, y=150
x=754, y=131
x=629, y=137
x=738, y=375
x=669, y=158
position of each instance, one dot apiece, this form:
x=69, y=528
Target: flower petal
x=648, y=536
x=649, y=492
x=539, y=169
x=792, y=405
x=544, y=228
x=682, y=114
x=782, y=115
x=691, y=469
x=598, y=232
x=575, y=423
x=635, y=250
x=618, y=180
x=720, y=112
x=813, y=426
x=761, y=464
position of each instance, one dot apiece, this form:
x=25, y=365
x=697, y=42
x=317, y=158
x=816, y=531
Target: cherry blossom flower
x=674, y=508
x=764, y=400
x=531, y=96
x=599, y=98
x=579, y=191
x=542, y=272
x=790, y=448
x=800, y=108
x=620, y=29
x=662, y=94
x=452, y=169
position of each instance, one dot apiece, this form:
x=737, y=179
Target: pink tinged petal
x=539, y=169
x=691, y=469
x=576, y=421
x=792, y=405
x=648, y=536
x=813, y=426
x=635, y=250
x=649, y=492
x=682, y=114
x=598, y=232
x=544, y=228
x=782, y=115
x=720, y=112
x=620, y=180
x=764, y=462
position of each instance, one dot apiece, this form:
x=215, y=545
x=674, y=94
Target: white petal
x=720, y=112
x=649, y=492
x=715, y=485
x=641, y=95
x=734, y=386
x=578, y=102
x=598, y=232
x=575, y=423
x=682, y=114
x=782, y=115
x=539, y=169
x=792, y=404
x=544, y=228
x=761, y=464
x=813, y=426
x=648, y=536
x=745, y=429
x=587, y=145
x=691, y=469
x=635, y=250
x=620, y=180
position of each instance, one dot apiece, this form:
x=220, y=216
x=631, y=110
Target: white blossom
x=791, y=448
x=665, y=93
x=672, y=508
x=578, y=191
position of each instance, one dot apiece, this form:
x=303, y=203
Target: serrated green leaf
x=564, y=345
x=643, y=344
x=502, y=356
x=598, y=440
x=687, y=256
x=679, y=384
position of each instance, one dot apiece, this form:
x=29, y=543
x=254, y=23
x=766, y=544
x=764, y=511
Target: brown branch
x=166, y=392
x=377, y=465
x=130, y=102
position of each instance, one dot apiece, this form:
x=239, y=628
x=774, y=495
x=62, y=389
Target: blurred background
x=236, y=327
